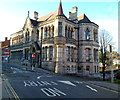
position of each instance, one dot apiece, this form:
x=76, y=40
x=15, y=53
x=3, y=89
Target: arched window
x=59, y=28
x=45, y=33
x=69, y=32
x=88, y=68
x=67, y=53
x=32, y=35
x=95, y=69
x=45, y=54
x=52, y=31
x=95, y=36
x=41, y=33
x=49, y=31
x=87, y=34
x=26, y=37
x=88, y=54
x=96, y=55
x=66, y=32
x=72, y=35
x=50, y=53
x=37, y=35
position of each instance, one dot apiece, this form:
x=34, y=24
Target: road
x=20, y=83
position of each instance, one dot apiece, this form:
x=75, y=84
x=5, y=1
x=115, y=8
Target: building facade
x=5, y=47
x=60, y=44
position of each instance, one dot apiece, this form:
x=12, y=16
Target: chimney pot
x=5, y=38
x=35, y=15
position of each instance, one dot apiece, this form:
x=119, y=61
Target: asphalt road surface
x=20, y=83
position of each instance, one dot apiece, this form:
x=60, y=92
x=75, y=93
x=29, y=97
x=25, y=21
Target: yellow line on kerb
x=13, y=92
x=100, y=87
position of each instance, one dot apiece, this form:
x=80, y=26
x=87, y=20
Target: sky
x=13, y=13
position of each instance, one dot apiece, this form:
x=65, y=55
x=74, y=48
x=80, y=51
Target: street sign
x=33, y=55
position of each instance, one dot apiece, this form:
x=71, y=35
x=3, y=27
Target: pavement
x=99, y=83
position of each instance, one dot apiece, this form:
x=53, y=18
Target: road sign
x=33, y=55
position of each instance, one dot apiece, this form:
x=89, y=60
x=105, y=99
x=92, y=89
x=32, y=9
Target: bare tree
x=104, y=40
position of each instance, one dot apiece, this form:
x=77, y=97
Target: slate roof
x=83, y=19
x=47, y=17
x=34, y=22
x=52, y=15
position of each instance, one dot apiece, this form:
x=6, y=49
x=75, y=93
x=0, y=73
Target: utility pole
x=112, y=73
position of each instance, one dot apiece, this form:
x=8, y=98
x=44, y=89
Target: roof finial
x=28, y=13
x=60, y=10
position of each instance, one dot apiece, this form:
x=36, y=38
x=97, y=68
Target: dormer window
x=59, y=28
x=87, y=34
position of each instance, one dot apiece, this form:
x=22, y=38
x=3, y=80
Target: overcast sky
x=13, y=13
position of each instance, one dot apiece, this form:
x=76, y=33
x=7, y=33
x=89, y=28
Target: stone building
x=60, y=44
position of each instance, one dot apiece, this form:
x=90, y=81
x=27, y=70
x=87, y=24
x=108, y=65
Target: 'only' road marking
x=52, y=92
x=91, y=88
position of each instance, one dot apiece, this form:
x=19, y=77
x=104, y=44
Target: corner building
x=61, y=44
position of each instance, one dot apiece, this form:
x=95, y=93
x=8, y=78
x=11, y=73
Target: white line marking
x=91, y=88
x=52, y=92
x=26, y=84
x=78, y=82
x=39, y=83
x=67, y=82
x=42, y=76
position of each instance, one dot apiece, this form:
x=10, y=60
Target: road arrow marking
x=78, y=82
x=67, y=82
x=91, y=88
x=42, y=76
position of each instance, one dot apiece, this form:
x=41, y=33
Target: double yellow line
x=13, y=91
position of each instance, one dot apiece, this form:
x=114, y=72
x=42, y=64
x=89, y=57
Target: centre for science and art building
x=57, y=43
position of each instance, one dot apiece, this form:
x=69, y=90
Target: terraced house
x=59, y=44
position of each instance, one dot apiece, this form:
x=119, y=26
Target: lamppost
x=112, y=73
x=41, y=47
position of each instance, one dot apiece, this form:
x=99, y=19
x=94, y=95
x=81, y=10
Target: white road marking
x=52, y=92
x=78, y=82
x=42, y=76
x=26, y=84
x=91, y=88
x=39, y=83
x=67, y=82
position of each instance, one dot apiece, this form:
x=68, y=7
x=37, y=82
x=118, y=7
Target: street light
x=112, y=73
x=41, y=48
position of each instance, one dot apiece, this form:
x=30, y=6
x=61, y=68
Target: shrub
x=117, y=75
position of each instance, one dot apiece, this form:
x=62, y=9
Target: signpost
x=33, y=60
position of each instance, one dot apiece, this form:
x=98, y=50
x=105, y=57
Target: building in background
x=58, y=43
x=5, y=46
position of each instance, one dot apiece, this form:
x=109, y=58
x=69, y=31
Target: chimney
x=73, y=13
x=5, y=38
x=35, y=15
x=74, y=9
